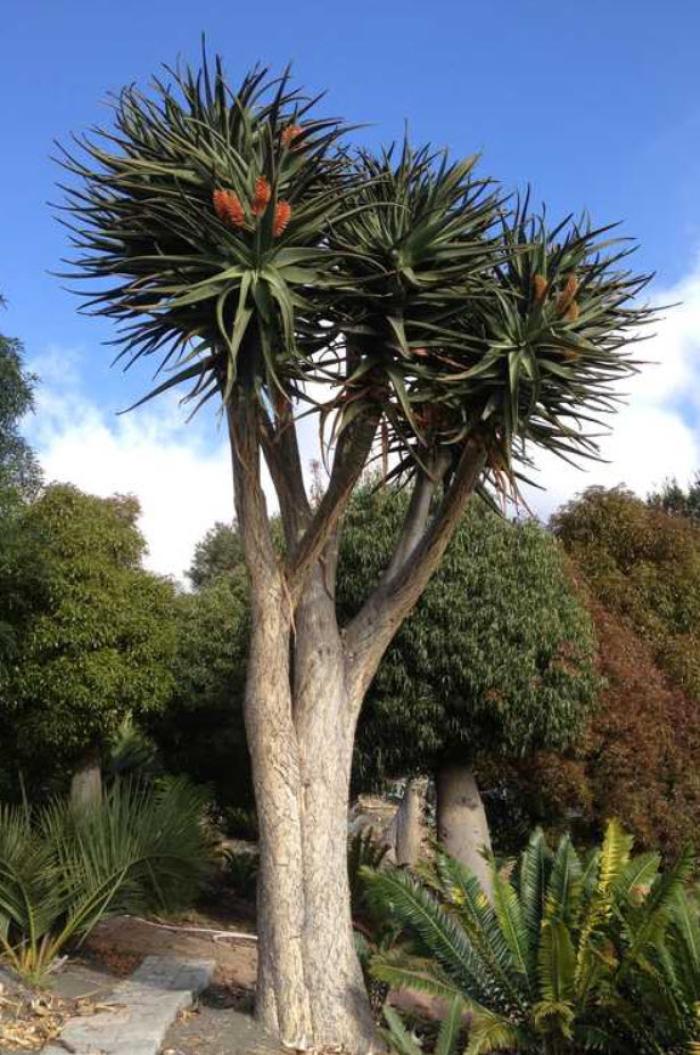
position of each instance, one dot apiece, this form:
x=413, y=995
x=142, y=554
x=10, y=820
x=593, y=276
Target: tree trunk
x=305, y=685
x=407, y=826
x=461, y=820
x=86, y=784
x=311, y=991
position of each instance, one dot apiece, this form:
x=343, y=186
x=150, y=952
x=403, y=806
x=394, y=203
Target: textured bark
x=86, y=783
x=461, y=820
x=300, y=724
x=407, y=826
x=306, y=682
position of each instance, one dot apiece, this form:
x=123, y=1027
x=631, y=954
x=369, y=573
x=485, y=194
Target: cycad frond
x=564, y=888
x=399, y=896
x=509, y=914
x=489, y=1032
x=450, y=1029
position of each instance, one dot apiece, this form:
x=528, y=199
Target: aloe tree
x=240, y=243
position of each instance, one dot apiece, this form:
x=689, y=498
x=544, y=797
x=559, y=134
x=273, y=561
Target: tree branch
x=351, y=455
x=281, y=449
x=369, y=634
x=417, y=515
x=251, y=508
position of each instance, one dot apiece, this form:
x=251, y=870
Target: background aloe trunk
x=462, y=826
x=86, y=784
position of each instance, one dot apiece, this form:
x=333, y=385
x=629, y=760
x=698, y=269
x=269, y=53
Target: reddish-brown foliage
x=640, y=757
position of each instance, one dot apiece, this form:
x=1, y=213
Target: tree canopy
x=19, y=469
x=498, y=657
x=201, y=730
x=97, y=640
x=672, y=498
x=642, y=564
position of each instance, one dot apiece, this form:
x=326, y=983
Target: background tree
x=638, y=758
x=640, y=755
x=643, y=565
x=218, y=554
x=201, y=731
x=98, y=642
x=19, y=468
x=21, y=565
x=497, y=659
x=672, y=498
x=232, y=233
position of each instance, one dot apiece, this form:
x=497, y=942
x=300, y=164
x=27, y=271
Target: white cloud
x=181, y=478
x=181, y=472
x=656, y=433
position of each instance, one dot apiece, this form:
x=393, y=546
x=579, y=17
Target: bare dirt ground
x=221, y=1023
x=121, y=943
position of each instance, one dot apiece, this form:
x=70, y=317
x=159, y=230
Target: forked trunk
x=461, y=820
x=305, y=685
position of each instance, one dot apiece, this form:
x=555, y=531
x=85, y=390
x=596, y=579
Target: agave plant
x=570, y=955
x=62, y=871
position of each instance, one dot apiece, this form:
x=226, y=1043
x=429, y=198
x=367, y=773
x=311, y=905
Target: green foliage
x=498, y=656
x=219, y=553
x=21, y=571
x=644, y=565
x=364, y=851
x=201, y=731
x=19, y=469
x=673, y=499
x=241, y=869
x=96, y=642
x=61, y=872
x=455, y=317
x=570, y=955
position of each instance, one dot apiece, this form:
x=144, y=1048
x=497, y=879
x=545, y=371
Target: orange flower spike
x=540, y=286
x=567, y=295
x=261, y=199
x=283, y=214
x=289, y=134
x=227, y=206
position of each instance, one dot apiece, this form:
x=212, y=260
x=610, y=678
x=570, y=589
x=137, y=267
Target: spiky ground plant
x=571, y=955
x=140, y=849
x=237, y=240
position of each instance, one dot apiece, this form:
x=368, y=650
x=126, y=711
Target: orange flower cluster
x=261, y=199
x=227, y=206
x=283, y=214
x=289, y=134
x=540, y=286
x=566, y=304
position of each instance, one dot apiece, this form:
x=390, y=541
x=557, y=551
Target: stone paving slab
x=143, y=1007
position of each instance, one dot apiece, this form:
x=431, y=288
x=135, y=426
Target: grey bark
x=461, y=821
x=406, y=830
x=306, y=682
x=86, y=783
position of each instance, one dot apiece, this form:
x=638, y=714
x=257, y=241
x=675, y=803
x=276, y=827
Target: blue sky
x=596, y=105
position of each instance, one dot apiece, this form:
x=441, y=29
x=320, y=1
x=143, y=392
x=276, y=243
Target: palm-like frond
x=600, y=956
x=400, y=281
x=218, y=297
x=61, y=872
